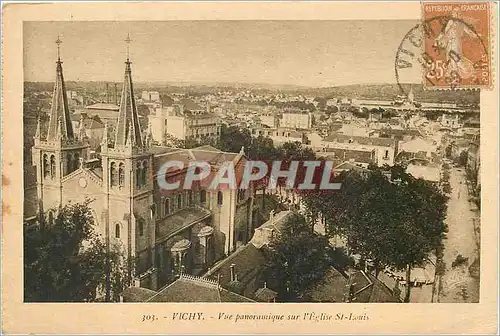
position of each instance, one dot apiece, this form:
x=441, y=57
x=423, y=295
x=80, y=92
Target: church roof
x=179, y=221
x=103, y=106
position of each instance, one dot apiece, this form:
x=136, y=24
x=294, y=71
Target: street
x=456, y=284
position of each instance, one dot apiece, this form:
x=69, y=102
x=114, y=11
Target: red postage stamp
x=456, y=45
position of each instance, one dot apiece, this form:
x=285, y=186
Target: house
x=184, y=121
x=419, y=147
x=296, y=119
x=279, y=135
x=365, y=288
x=384, y=149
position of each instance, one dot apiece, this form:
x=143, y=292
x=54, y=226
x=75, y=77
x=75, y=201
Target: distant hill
x=366, y=91
x=390, y=91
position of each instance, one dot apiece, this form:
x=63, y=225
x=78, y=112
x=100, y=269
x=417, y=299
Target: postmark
x=449, y=49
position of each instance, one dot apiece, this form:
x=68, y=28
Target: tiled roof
x=332, y=288
x=348, y=166
x=166, y=100
x=137, y=294
x=265, y=294
x=194, y=289
x=366, y=288
x=248, y=265
x=342, y=138
x=359, y=155
x=190, y=105
x=179, y=221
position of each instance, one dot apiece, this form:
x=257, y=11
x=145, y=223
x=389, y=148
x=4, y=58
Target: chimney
x=232, y=271
x=265, y=284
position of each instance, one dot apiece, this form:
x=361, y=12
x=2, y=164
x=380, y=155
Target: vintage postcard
x=237, y=167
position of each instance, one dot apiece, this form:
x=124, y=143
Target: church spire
x=128, y=120
x=59, y=109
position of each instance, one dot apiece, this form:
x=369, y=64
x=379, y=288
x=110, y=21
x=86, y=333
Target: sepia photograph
x=105, y=107
x=250, y=168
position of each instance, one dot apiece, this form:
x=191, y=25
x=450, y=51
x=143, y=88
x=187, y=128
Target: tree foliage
x=66, y=261
x=298, y=258
x=388, y=216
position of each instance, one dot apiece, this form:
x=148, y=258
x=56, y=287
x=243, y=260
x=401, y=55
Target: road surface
x=457, y=284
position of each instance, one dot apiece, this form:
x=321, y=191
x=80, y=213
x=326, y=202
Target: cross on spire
x=128, y=40
x=58, y=42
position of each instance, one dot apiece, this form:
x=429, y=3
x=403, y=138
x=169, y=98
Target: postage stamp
x=456, y=45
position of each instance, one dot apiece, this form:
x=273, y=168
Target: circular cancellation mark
x=442, y=62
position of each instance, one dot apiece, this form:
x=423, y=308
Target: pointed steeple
x=59, y=109
x=128, y=120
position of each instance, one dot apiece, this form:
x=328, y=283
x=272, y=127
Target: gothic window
x=52, y=166
x=121, y=174
x=153, y=210
x=141, y=227
x=166, y=206
x=69, y=162
x=220, y=198
x=76, y=161
x=138, y=174
x=117, y=230
x=144, y=174
x=113, y=174
x=179, y=201
x=46, y=167
x=203, y=196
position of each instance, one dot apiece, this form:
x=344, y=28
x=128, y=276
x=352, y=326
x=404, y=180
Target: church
x=163, y=235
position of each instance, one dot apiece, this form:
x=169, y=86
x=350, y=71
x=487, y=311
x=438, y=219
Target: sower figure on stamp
x=450, y=39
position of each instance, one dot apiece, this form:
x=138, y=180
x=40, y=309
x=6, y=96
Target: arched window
x=76, y=161
x=121, y=174
x=113, y=174
x=144, y=174
x=69, y=162
x=46, y=167
x=166, y=206
x=141, y=227
x=52, y=166
x=203, y=196
x=179, y=201
x=117, y=230
x=190, y=198
x=138, y=175
x=220, y=198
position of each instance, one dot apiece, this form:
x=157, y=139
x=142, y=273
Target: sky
x=305, y=53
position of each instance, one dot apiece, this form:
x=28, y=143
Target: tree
x=298, y=259
x=462, y=159
x=66, y=261
x=232, y=139
x=388, y=217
